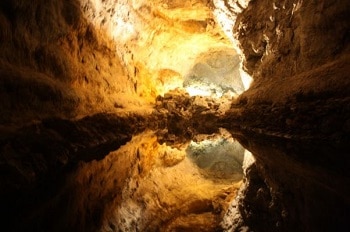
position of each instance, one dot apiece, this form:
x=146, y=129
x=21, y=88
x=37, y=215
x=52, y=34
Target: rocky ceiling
x=102, y=128
x=161, y=44
x=97, y=56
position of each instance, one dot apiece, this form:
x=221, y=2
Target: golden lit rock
x=172, y=115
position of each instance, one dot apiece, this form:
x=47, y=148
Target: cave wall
x=157, y=41
x=54, y=62
x=297, y=52
x=295, y=46
x=289, y=46
x=73, y=58
x=293, y=36
x=298, y=55
x=292, y=186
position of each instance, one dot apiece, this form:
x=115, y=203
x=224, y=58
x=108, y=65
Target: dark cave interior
x=200, y=115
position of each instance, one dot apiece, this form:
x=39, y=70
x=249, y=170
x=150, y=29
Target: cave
x=169, y=115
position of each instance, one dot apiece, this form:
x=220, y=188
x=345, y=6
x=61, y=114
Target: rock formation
x=113, y=115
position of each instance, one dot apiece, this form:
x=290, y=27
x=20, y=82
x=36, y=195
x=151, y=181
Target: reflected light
x=220, y=158
x=205, y=143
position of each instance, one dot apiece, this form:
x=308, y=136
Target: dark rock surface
x=36, y=159
x=296, y=186
x=60, y=169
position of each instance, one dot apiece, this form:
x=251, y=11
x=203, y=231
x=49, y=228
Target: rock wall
x=293, y=186
x=35, y=162
x=157, y=41
x=298, y=55
x=292, y=43
x=292, y=36
x=54, y=62
x=67, y=59
x=73, y=58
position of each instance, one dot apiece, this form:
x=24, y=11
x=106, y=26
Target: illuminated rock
x=80, y=78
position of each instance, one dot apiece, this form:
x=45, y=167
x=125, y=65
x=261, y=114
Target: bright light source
x=123, y=28
x=246, y=79
x=195, y=91
x=248, y=160
x=204, y=89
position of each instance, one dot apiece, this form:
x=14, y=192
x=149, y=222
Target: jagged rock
x=79, y=78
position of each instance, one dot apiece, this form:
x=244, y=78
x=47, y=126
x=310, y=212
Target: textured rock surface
x=294, y=186
x=56, y=63
x=215, y=73
x=154, y=37
x=298, y=55
x=293, y=36
x=35, y=160
x=64, y=64
x=162, y=197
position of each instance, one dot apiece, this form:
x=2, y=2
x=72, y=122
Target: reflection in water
x=149, y=185
x=166, y=191
x=293, y=186
x=218, y=159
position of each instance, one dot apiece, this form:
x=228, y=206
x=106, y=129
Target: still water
x=222, y=181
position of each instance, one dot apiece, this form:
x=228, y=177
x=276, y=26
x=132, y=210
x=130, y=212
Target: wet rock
x=273, y=189
x=39, y=157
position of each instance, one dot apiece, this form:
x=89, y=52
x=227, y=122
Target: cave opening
x=215, y=73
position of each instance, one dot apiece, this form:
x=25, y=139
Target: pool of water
x=221, y=181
